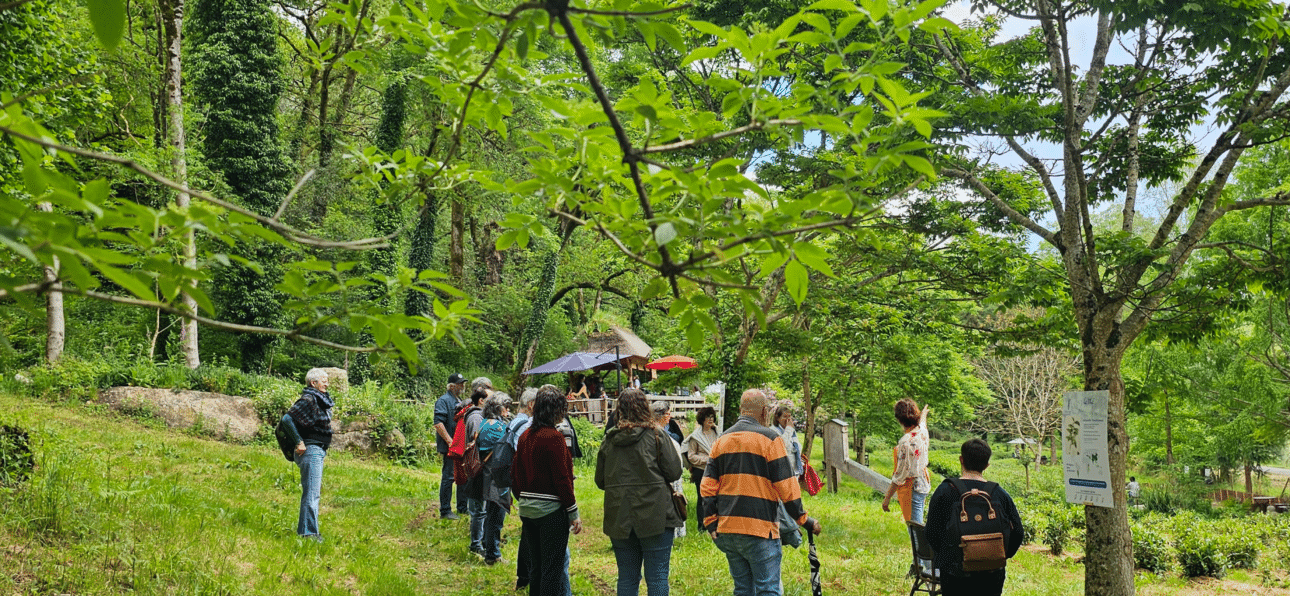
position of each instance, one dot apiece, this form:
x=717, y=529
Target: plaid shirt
x=312, y=415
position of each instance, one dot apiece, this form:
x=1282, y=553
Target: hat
x=456, y=378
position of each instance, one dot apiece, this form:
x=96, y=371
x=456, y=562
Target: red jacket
x=543, y=469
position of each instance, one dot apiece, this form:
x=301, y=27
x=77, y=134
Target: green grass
x=117, y=506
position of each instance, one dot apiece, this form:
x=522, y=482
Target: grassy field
x=122, y=506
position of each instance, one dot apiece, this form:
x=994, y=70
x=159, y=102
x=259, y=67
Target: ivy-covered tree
x=237, y=81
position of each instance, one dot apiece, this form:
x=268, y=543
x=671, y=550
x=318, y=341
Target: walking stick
x=815, y=566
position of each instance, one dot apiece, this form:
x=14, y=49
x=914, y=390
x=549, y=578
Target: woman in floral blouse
x=910, y=480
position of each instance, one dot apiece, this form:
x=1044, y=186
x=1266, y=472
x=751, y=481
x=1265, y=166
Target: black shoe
x=449, y=515
x=479, y=552
x=491, y=562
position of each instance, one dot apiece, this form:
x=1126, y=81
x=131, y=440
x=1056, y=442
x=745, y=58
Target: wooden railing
x=837, y=462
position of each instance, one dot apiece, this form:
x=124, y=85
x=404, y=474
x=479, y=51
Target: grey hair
x=495, y=404
x=315, y=374
x=660, y=409
x=481, y=382
x=527, y=398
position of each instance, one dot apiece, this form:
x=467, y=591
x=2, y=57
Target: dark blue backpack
x=498, y=464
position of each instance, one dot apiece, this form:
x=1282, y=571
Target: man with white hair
x=445, y=424
x=308, y=423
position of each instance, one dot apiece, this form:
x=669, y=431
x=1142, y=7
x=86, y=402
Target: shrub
x=16, y=461
x=1240, y=543
x=1151, y=547
x=1062, y=521
x=1200, y=550
x=944, y=463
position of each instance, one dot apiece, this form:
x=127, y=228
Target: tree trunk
x=1108, y=560
x=457, y=243
x=1169, y=432
x=1249, y=484
x=173, y=19
x=809, y=403
x=55, y=323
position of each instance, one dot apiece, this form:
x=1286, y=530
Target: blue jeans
x=547, y=539
x=476, y=509
x=311, y=472
x=754, y=563
x=445, y=490
x=494, y=517
x=917, y=506
x=656, y=554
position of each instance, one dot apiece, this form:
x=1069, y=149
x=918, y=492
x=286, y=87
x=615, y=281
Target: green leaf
x=842, y=5
x=665, y=234
x=703, y=53
x=128, y=281
x=796, y=279
x=657, y=287
x=108, y=19
x=709, y=28
x=920, y=165
x=814, y=257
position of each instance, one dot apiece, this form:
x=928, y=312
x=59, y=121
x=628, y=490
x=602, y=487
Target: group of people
x=748, y=479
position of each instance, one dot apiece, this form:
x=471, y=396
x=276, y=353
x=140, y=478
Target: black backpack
x=978, y=526
x=284, y=442
x=499, y=461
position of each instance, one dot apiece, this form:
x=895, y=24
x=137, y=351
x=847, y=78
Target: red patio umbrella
x=671, y=362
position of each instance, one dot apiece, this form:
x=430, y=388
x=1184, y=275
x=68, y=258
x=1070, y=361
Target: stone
x=338, y=379
x=222, y=416
x=359, y=441
x=393, y=440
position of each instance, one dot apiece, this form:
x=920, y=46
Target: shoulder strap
x=958, y=485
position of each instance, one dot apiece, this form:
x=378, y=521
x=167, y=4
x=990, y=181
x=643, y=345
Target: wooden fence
x=838, y=462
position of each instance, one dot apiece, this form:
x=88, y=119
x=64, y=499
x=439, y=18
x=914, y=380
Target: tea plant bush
x=1151, y=548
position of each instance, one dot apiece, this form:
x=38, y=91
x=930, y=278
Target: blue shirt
x=520, y=424
x=445, y=413
x=490, y=434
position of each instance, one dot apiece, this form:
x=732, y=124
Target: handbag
x=813, y=482
x=983, y=552
x=678, y=499
x=470, y=462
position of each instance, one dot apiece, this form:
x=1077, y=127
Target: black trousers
x=697, y=479
x=547, y=538
x=980, y=583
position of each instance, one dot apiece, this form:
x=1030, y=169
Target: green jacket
x=634, y=468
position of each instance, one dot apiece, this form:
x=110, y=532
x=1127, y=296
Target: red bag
x=458, y=447
x=813, y=483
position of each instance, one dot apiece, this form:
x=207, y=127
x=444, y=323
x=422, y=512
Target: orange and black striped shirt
x=747, y=477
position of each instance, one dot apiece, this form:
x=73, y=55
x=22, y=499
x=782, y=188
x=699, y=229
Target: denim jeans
x=754, y=563
x=547, y=539
x=311, y=472
x=445, y=490
x=476, y=509
x=656, y=554
x=494, y=517
x=918, y=506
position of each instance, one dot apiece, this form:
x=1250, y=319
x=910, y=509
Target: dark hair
x=633, y=409
x=976, y=455
x=779, y=413
x=550, y=406
x=907, y=412
x=1133, y=478
x=705, y=413
x=478, y=396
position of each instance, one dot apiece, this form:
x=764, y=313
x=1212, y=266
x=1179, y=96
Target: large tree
x=237, y=81
x=1096, y=128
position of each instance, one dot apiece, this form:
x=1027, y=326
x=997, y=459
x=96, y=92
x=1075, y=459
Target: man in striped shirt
x=747, y=477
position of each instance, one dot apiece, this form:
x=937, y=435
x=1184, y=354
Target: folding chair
x=927, y=578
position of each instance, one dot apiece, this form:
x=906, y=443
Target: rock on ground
x=224, y=416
